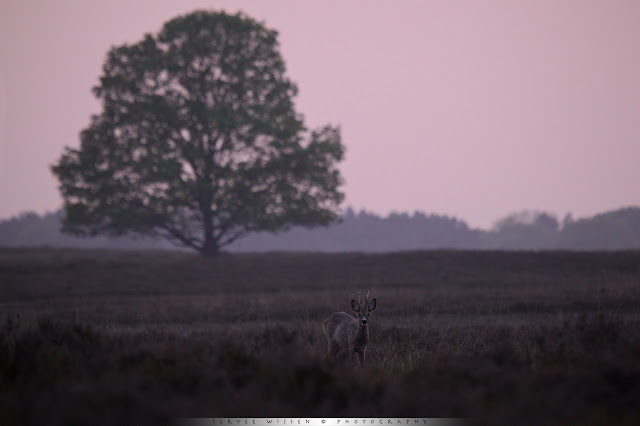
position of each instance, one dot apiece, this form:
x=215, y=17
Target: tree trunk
x=210, y=248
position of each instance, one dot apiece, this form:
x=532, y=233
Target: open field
x=144, y=337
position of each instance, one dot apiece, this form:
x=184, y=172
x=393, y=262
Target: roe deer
x=344, y=331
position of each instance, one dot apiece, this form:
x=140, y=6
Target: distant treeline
x=367, y=232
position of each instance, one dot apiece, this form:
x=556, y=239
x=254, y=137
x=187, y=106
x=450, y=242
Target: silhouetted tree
x=614, y=230
x=525, y=230
x=199, y=142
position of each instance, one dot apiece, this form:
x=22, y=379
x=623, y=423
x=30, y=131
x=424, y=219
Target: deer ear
x=372, y=305
x=355, y=305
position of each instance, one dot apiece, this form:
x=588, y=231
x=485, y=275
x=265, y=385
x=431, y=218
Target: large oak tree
x=199, y=142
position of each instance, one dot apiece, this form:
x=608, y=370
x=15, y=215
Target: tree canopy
x=199, y=141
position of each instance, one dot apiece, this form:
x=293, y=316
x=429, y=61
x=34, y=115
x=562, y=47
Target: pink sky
x=474, y=109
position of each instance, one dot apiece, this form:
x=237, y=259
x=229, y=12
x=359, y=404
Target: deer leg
x=361, y=356
x=334, y=348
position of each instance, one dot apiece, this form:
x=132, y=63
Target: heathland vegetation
x=108, y=337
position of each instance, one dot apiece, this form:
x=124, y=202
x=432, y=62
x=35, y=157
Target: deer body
x=346, y=332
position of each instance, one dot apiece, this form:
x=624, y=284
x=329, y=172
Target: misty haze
x=367, y=232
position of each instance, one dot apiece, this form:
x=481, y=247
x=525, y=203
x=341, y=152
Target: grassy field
x=105, y=337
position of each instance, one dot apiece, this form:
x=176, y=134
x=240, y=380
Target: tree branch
x=174, y=235
x=233, y=237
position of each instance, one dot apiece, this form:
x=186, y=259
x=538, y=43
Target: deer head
x=363, y=310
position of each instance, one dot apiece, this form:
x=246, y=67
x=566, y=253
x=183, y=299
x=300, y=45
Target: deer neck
x=363, y=334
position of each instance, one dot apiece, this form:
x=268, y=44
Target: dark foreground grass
x=583, y=371
x=144, y=338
